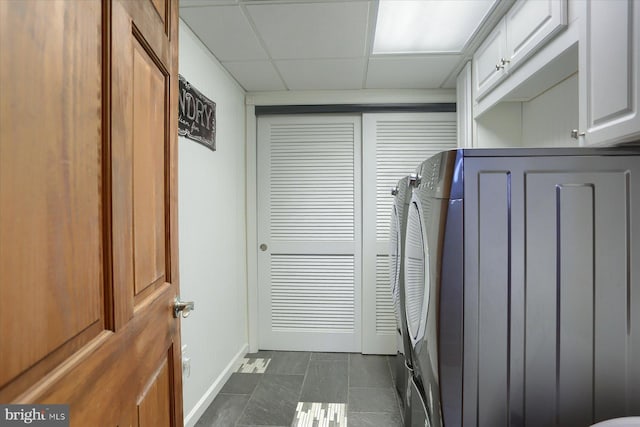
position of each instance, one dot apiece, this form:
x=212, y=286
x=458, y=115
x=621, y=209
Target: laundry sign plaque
x=196, y=115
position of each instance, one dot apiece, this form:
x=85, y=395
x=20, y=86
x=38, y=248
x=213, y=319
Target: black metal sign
x=196, y=115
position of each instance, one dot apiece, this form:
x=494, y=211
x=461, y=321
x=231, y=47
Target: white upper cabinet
x=487, y=61
x=527, y=26
x=610, y=72
x=530, y=24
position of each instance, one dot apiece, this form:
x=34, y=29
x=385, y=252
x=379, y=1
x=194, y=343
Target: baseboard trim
x=194, y=415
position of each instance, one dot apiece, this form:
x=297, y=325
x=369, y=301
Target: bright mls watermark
x=34, y=415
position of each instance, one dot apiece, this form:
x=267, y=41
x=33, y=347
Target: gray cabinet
x=552, y=290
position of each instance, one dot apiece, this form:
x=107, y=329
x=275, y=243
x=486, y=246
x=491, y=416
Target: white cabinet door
x=530, y=24
x=610, y=83
x=487, y=67
x=527, y=26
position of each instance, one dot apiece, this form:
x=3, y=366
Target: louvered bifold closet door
x=309, y=233
x=394, y=144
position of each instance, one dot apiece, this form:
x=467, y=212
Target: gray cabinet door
x=552, y=290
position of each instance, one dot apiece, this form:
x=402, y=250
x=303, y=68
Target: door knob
x=182, y=307
x=263, y=247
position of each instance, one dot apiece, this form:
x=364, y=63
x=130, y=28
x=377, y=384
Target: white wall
x=500, y=127
x=544, y=121
x=547, y=120
x=212, y=215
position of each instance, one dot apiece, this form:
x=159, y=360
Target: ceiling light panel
x=427, y=26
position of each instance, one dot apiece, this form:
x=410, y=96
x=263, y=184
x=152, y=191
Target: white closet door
x=309, y=216
x=394, y=144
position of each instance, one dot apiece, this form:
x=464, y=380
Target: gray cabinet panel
x=552, y=290
x=575, y=293
x=494, y=304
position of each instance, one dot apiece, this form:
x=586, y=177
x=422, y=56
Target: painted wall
x=544, y=121
x=212, y=215
x=547, y=120
x=500, y=127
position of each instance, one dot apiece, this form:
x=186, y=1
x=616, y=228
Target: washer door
x=416, y=264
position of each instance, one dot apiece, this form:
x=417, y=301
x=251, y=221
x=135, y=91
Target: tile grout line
x=248, y=400
x=393, y=385
x=346, y=415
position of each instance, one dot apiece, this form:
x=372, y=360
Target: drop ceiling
x=280, y=45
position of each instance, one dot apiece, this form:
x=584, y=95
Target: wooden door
x=88, y=215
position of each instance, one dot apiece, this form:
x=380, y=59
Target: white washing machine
x=404, y=363
x=522, y=287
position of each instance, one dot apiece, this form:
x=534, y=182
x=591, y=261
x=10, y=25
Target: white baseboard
x=194, y=415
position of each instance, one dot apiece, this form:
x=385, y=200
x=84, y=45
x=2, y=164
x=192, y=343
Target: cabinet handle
x=501, y=64
x=575, y=133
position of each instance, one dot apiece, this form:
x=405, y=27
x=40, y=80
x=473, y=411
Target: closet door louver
x=394, y=144
x=311, y=182
x=400, y=147
x=308, y=220
x=386, y=315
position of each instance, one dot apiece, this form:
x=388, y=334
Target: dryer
x=404, y=365
x=521, y=284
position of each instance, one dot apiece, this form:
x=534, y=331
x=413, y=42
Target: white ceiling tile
x=410, y=72
x=255, y=75
x=225, y=31
x=325, y=74
x=312, y=30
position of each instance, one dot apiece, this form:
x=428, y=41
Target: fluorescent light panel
x=427, y=26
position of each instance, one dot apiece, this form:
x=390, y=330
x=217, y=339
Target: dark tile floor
x=338, y=385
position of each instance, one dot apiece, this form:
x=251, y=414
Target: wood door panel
x=161, y=8
x=145, y=21
x=140, y=146
x=125, y=362
x=50, y=183
x=149, y=134
x=88, y=209
x=155, y=404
